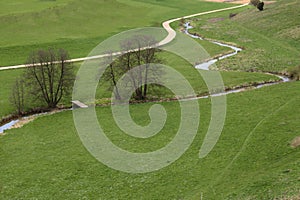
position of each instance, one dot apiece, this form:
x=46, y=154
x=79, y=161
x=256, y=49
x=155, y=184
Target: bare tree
x=149, y=56
x=137, y=51
x=17, y=97
x=49, y=75
x=112, y=73
x=294, y=73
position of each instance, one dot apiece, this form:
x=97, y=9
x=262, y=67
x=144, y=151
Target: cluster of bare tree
x=49, y=76
x=138, y=54
x=46, y=80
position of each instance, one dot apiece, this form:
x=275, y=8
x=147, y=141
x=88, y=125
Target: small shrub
x=231, y=15
x=296, y=142
x=294, y=73
x=260, y=6
x=182, y=22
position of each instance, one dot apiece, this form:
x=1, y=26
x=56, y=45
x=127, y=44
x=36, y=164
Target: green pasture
x=271, y=39
x=252, y=159
x=80, y=25
x=8, y=7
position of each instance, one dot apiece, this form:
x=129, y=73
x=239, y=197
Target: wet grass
x=252, y=159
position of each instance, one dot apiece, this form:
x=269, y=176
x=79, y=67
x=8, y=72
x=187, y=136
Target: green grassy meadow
x=26, y=6
x=271, y=38
x=79, y=26
x=253, y=158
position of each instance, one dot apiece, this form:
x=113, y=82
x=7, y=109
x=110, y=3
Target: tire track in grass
x=244, y=146
x=217, y=180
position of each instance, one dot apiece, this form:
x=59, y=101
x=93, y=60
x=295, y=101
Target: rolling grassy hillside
x=24, y=6
x=79, y=25
x=252, y=159
x=271, y=38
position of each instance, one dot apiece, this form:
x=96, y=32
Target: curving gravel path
x=168, y=39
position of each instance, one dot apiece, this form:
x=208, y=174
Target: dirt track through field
x=166, y=25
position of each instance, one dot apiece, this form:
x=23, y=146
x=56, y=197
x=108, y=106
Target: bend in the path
x=166, y=25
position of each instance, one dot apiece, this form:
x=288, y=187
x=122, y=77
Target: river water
x=202, y=66
x=207, y=64
x=8, y=126
x=14, y=122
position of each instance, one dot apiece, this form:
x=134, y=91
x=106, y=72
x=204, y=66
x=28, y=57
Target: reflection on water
x=8, y=125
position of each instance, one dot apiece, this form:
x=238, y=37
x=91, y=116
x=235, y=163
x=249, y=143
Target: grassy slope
x=42, y=160
x=273, y=45
x=79, y=26
x=8, y=7
x=251, y=160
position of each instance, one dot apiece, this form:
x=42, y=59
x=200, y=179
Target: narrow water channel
x=207, y=64
x=202, y=66
x=8, y=126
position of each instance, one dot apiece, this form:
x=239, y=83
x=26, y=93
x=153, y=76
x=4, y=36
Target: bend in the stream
x=202, y=66
x=207, y=64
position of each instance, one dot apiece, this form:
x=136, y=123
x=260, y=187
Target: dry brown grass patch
x=22, y=122
x=296, y=142
x=291, y=198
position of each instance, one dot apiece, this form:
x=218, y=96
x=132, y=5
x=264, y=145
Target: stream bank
x=17, y=122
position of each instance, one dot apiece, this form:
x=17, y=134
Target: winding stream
x=28, y=118
x=8, y=125
x=202, y=66
x=207, y=64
